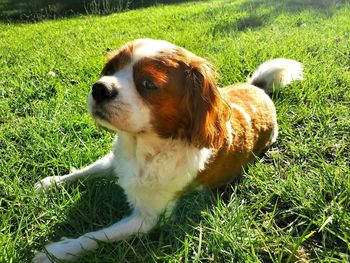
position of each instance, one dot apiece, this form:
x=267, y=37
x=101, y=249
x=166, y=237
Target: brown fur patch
x=186, y=103
x=207, y=110
x=249, y=138
x=165, y=101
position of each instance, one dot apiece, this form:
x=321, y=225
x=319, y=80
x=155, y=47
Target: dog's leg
x=69, y=249
x=101, y=167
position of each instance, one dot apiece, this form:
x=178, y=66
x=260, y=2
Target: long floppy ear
x=208, y=112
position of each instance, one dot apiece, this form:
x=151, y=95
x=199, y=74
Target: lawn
x=291, y=205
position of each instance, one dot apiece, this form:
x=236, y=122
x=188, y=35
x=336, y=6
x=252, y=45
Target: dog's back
x=253, y=123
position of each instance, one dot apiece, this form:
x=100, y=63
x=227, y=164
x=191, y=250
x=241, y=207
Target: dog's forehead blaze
x=118, y=59
x=136, y=51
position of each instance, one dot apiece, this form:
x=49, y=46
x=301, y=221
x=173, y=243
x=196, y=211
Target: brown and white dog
x=176, y=131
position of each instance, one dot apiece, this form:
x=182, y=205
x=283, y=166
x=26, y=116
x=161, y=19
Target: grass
x=291, y=205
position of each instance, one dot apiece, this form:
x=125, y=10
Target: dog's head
x=153, y=86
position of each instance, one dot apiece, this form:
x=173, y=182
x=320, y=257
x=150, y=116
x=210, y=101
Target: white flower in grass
x=52, y=74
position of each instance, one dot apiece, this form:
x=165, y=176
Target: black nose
x=102, y=92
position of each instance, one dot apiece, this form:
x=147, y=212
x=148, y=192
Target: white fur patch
x=277, y=72
x=153, y=170
x=242, y=111
x=150, y=48
x=229, y=132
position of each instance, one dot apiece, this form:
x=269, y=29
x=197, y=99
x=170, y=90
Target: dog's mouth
x=102, y=127
x=99, y=115
x=102, y=121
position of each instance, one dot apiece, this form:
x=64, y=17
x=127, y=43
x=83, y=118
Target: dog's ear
x=208, y=112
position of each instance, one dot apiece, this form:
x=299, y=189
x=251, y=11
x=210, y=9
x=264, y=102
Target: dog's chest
x=152, y=172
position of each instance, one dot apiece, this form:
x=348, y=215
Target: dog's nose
x=102, y=92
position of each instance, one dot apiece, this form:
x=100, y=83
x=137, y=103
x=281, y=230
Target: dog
x=177, y=131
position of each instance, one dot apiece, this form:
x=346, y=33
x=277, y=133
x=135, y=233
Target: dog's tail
x=276, y=73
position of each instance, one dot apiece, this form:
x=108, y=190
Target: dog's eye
x=148, y=85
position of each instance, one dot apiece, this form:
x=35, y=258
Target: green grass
x=290, y=205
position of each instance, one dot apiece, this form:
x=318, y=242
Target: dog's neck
x=143, y=148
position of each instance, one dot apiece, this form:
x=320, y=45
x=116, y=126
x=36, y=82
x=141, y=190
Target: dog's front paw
x=66, y=249
x=45, y=184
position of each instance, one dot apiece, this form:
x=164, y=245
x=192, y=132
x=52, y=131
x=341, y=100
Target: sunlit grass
x=290, y=205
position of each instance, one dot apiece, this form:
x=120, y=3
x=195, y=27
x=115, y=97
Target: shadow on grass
x=260, y=13
x=19, y=11
x=103, y=203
